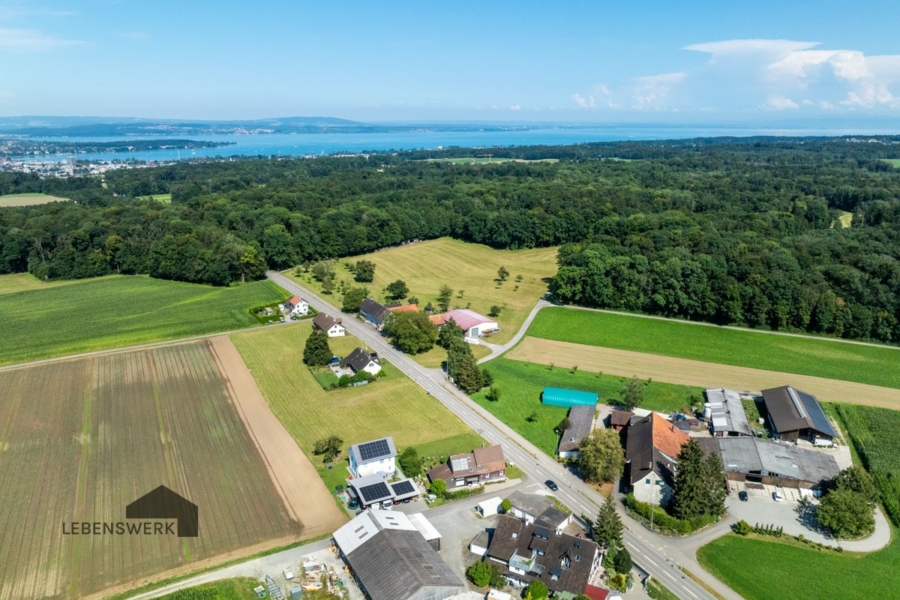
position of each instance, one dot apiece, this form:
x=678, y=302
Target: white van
x=387, y=504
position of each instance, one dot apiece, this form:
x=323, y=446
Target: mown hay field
x=10, y=200
x=392, y=405
x=84, y=438
x=766, y=569
x=121, y=311
x=803, y=356
x=521, y=383
x=470, y=268
x=23, y=282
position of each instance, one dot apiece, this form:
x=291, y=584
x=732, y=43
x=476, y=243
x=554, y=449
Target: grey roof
x=552, y=517
x=793, y=410
x=373, y=308
x=358, y=359
x=532, y=504
x=753, y=456
x=392, y=559
x=325, y=322
x=581, y=420
x=728, y=413
x=388, y=452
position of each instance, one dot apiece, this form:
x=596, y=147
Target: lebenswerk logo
x=144, y=516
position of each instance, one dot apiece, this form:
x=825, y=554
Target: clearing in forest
x=470, y=269
x=121, y=311
x=695, y=373
x=84, y=438
x=392, y=405
x=28, y=199
x=830, y=359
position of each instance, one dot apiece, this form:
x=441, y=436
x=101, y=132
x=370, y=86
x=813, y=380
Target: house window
x=647, y=481
x=657, y=482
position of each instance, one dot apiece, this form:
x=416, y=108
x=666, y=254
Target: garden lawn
x=472, y=268
x=435, y=358
x=392, y=405
x=804, y=356
x=760, y=569
x=121, y=311
x=521, y=384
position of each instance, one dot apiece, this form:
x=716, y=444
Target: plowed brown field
x=81, y=439
x=696, y=373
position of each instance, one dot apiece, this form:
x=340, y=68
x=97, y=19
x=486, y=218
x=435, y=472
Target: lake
x=303, y=144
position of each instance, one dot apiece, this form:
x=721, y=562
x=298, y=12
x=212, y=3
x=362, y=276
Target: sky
x=570, y=62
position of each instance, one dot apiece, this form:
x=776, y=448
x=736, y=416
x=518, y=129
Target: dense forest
x=789, y=234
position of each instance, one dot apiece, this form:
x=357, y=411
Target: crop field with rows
x=82, y=439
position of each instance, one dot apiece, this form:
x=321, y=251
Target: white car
x=288, y=574
x=777, y=497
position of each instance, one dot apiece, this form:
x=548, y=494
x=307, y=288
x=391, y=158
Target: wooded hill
x=751, y=231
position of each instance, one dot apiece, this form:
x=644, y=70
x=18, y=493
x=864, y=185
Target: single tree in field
x=632, y=394
x=502, y=273
x=494, y=394
x=412, y=332
x=608, y=526
x=444, y=297
x=495, y=311
x=317, y=353
x=397, y=290
x=365, y=271
x=353, y=298
x=847, y=514
x=532, y=416
x=328, y=285
x=328, y=447
x=601, y=457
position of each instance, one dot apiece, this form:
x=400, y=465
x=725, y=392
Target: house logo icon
x=163, y=503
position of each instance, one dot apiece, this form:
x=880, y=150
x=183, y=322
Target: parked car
x=743, y=496
x=387, y=505
x=552, y=485
x=777, y=497
x=430, y=498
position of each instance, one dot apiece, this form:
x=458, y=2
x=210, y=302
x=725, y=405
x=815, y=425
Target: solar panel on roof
x=376, y=449
x=374, y=492
x=403, y=487
x=816, y=414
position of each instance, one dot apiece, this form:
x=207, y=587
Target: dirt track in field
x=307, y=499
x=696, y=373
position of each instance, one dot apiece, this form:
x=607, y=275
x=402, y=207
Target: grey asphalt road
x=657, y=555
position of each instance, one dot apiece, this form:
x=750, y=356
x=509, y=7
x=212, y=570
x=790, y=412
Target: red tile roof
x=596, y=593
x=666, y=436
x=404, y=308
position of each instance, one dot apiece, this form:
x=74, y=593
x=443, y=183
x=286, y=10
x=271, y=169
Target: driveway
x=498, y=350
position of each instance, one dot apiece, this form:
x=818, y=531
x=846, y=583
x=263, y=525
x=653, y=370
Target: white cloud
x=652, y=91
x=30, y=40
x=515, y=107
x=582, y=102
x=776, y=102
x=753, y=45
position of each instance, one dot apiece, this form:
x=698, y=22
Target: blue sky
x=587, y=62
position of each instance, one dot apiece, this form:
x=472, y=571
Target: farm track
x=100, y=432
x=296, y=479
x=695, y=373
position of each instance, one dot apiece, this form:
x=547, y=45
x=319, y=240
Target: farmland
x=521, y=384
x=488, y=160
x=393, y=405
x=22, y=282
x=239, y=588
x=895, y=162
x=121, y=311
x=873, y=432
x=765, y=569
x=682, y=371
x=804, y=356
x=84, y=438
x=470, y=269
x=10, y=200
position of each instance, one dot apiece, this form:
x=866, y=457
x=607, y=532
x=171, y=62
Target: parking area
x=761, y=508
x=457, y=529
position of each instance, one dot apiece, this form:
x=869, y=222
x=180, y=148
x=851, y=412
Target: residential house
x=528, y=552
x=651, y=453
x=796, y=415
x=361, y=360
x=725, y=413
x=391, y=559
x=534, y=508
x=479, y=466
x=581, y=422
x=297, y=306
x=620, y=419
x=373, y=312
x=377, y=457
x=473, y=324
x=329, y=325
x=398, y=307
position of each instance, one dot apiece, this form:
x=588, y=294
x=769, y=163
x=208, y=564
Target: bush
x=479, y=574
x=506, y=505
x=664, y=521
x=742, y=527
x=536, y=590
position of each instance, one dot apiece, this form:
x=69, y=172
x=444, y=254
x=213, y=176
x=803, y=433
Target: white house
x=360, y=360
x=297, y=306
x=374, y=458
x=329, y=325
x=473, y=324
x=652, y=454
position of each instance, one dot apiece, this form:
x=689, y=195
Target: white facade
x=373, y=368
x=652, y=489
x=385, y=467
x=301, y=309
x=489, y=507
x=336, y=331
x=477, y=330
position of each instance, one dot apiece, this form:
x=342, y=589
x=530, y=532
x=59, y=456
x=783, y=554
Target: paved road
x=655, y=554
x=498, y=350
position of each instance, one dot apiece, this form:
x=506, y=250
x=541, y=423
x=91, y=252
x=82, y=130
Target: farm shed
x=553, y=396
x=773, y=463
x=391, y=560
x=428, y=531
x=725, y=413
x=794, y=414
